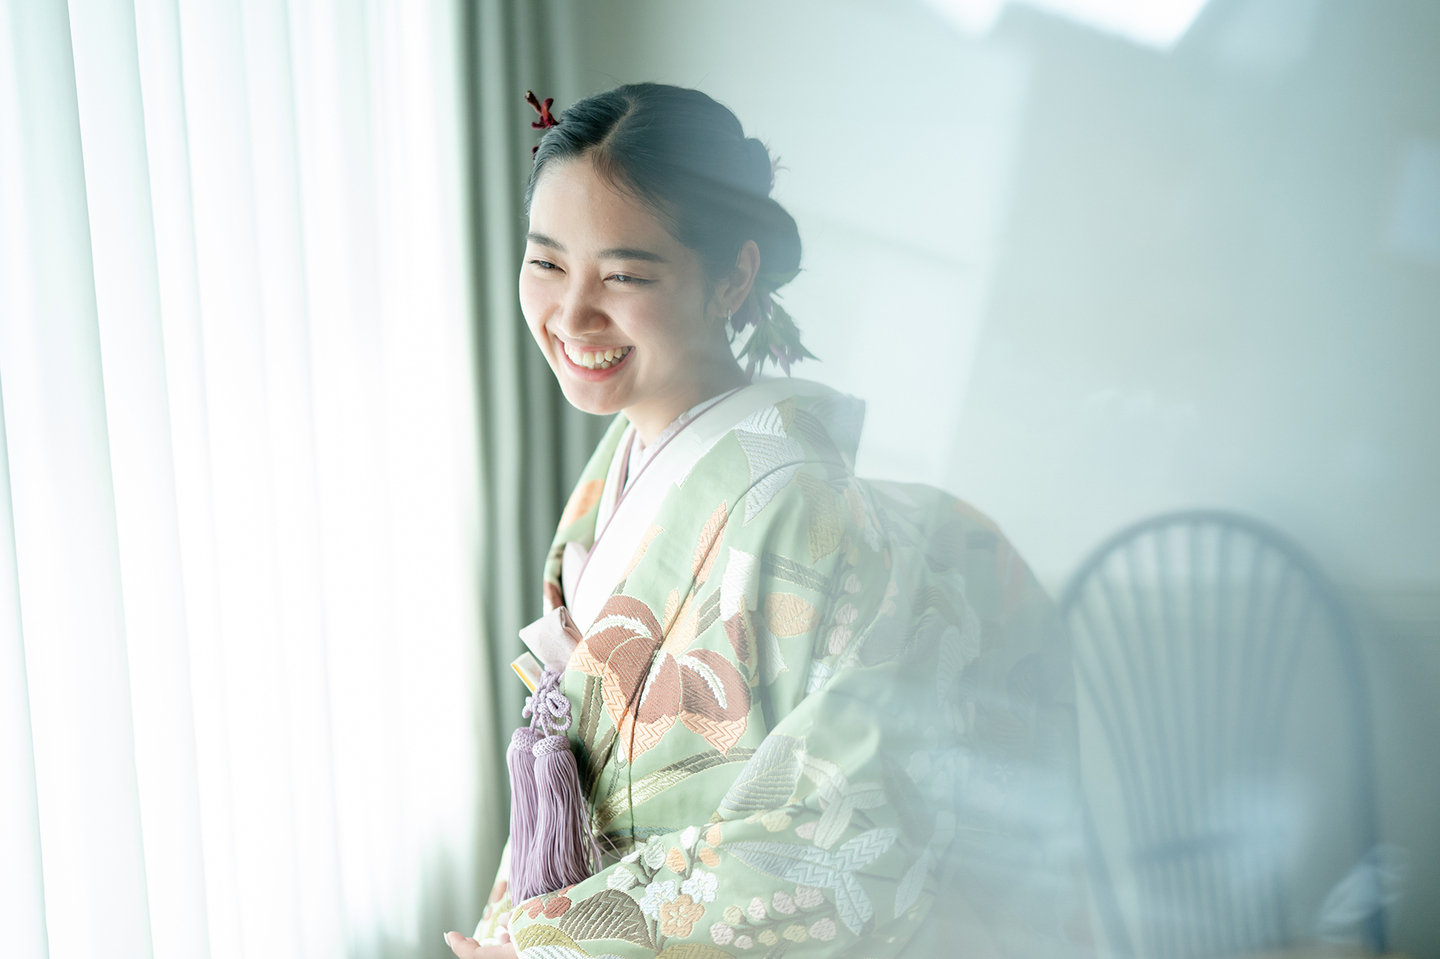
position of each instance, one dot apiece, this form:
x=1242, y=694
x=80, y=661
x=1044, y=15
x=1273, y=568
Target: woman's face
x=617, y=304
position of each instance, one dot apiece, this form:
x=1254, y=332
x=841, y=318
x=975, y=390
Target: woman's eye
x=544, y=264
x=626, y=278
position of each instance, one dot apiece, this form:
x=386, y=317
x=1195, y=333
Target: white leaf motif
x=820, y=674
x=773, y=456
x=827, y=776
x=808, y=866
x=768, y=778
x=557, y=951
x=853, y=904
x=836, y=817
x=910, y=886
x=740, y=588
x=838, y=798
x=772, y=660
x=865, y=848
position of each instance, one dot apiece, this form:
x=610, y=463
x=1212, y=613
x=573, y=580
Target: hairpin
x=546, y=120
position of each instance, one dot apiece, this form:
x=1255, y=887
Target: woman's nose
x=580, y=314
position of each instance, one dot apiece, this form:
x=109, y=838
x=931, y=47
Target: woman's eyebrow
x=614, y=253
x=631, y=253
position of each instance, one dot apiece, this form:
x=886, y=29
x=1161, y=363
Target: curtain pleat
x=66, y=547
x=132, y=354
x=22, y=875
x=172, y=204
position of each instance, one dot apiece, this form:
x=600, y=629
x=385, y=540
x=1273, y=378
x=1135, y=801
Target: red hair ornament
x=546, y=121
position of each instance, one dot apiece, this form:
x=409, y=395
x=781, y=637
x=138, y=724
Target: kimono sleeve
x=825, y=838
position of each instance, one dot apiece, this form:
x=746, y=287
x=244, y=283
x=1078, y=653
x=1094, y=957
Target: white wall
x=1081, y=281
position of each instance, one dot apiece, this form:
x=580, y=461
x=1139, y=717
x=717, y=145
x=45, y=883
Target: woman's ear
x=731, y=291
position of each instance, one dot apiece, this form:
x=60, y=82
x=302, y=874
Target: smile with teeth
x=598, y=359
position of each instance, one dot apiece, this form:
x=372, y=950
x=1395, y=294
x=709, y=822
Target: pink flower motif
x=722, y=933
x=756, y=909
x=782, y=902
x=679, y=917
x=744, y=942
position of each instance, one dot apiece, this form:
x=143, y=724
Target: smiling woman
x=650, y=224
x=790, y=694
x=623, y=311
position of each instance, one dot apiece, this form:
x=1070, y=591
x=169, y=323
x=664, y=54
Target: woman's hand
x=501, y=947
x=467, y=948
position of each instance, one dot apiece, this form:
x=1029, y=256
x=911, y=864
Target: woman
x=802, y=701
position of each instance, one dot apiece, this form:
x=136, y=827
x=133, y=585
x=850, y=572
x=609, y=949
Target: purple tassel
x=562, y=823
x=551, y=845
x=523, y=803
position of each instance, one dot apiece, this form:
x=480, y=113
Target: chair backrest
x=1189, y=632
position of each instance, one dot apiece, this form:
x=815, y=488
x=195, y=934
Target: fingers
x=462, y=946
x=466, y=948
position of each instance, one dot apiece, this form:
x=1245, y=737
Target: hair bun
x=760, y=175
x=686, y=155
x=779, y=240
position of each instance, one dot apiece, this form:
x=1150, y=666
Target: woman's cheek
x=650, y=321
x=533, y=306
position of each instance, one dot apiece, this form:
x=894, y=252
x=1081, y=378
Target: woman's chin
x=597, y=399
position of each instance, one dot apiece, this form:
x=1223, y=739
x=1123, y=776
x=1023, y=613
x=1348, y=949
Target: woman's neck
x=652, y=415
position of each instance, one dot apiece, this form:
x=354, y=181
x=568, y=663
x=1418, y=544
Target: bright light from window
x=975, y=17
x=1155, y=23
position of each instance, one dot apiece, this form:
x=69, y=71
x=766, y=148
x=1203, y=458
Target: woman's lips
x=596, y=373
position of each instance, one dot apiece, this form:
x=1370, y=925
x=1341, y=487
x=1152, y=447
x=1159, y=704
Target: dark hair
x=688, y=158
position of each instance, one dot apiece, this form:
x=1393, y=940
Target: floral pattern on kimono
x=812, y=705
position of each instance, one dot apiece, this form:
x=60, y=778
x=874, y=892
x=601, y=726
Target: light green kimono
x=814, y=711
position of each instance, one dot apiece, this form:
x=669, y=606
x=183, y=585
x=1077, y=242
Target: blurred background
x=280, y=462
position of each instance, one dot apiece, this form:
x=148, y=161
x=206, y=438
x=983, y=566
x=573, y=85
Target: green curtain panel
x=533, y=444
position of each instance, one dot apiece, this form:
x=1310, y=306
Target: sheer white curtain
x=238, y=531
